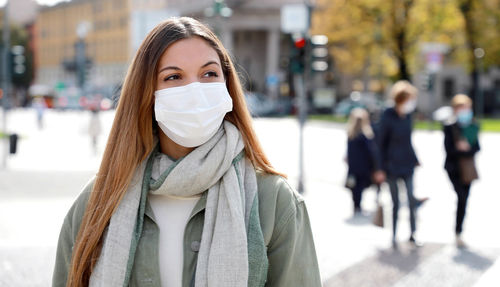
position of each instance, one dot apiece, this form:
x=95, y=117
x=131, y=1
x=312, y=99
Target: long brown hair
x=131, y=137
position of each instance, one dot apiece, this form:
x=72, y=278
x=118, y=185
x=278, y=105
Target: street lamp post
x=219, y=10
x=82, y=31
x=295, y=20
x=6, y=77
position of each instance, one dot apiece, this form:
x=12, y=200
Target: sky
x=41, y=2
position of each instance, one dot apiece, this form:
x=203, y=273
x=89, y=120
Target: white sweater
x=171, y=214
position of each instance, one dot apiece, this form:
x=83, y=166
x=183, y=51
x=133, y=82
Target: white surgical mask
x=409, y=106
x=190, y=115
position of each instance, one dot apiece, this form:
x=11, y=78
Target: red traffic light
x=300, y=42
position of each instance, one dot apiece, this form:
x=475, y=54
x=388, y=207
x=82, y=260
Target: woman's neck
x=172, y=149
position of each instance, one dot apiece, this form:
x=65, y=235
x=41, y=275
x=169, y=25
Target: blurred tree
x=350, y=31
x=482, y=30
x=367, y=33
x=398, y=23
x=381, y=38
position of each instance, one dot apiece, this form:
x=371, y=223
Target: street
x=53, y=164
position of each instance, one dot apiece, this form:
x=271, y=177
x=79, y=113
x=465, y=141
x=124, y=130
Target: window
x=496, y=92
x=123, y=21
x=449, y=88
x=97, y=7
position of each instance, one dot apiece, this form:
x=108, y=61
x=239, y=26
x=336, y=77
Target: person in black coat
x=461, y=142
x=398, y=156
x=362, y=156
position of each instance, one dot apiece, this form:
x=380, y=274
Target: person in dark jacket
x=362, y=156
x=398, y=156
x=461, y=142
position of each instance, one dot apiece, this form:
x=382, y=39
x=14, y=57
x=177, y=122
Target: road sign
x=272, y=80
x=433, y=53
x=434, y=61
x=294, y=18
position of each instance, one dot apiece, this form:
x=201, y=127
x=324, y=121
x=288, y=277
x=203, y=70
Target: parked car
x=262, y=106
x=369, y=101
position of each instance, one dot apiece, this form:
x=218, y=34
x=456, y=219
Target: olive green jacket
x=284, y=222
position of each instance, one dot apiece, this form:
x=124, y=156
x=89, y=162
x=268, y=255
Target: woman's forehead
x=191, y=51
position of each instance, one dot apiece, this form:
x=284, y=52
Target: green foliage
x=492, y=125
x=328, y=118
x=487, y=125
x=380, y=37
x=427, y=125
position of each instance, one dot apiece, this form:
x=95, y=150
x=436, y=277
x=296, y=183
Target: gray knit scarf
x=232, y=251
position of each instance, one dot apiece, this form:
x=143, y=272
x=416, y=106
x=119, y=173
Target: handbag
x=468, y=171
x=378, y=218
x=350, y=181
x=466, y=165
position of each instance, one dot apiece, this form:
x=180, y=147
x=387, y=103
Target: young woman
x=185, y=195
x=362, y=156
x=461, y=143
x=398, y=156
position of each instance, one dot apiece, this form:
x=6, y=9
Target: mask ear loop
x=153, y=116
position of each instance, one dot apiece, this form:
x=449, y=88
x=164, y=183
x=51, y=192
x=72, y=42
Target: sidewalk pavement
x=53, y=165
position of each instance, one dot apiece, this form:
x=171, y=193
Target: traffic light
x=427, y=81
x=80, y=64
x=319, y=53
x=298, y=54
x=83, y=72
x=18, y=60
x=69, y=65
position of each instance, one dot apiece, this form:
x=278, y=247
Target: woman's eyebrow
x=179, y=69
x=169, y=68
x=210, y=63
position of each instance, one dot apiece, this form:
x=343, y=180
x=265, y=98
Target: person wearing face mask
x=185, y=195
x=362, y=157
x=397, y=154
x=461, y=143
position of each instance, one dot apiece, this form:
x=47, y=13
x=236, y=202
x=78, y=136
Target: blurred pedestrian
x=461, y=143
x=40, y=106
x=95, y=128
x=362, y=156
x=185, y=195
x=398, y=156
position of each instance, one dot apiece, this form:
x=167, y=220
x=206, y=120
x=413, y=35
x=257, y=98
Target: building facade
x=252, y=34
x=107, y=40
x=117, y=27
x=452, y=80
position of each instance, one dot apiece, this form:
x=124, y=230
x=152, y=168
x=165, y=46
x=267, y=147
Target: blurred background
x=304, y=66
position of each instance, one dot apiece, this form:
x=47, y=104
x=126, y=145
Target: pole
x=80, y=63
x=5, y=79
x=478, y=93
x=301, y=86
x=298, y=81
x=432, y=96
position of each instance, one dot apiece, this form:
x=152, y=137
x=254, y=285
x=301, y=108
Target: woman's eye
x=210, y=74
x=172, y=77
